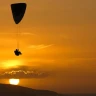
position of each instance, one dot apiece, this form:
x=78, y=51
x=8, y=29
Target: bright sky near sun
x=57, y=37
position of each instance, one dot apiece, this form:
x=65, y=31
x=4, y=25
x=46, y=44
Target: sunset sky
x=58, y=45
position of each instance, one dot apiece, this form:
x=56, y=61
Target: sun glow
x=14, y=81
x=11, y=63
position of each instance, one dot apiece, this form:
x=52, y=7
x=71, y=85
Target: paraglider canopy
x=18, y=10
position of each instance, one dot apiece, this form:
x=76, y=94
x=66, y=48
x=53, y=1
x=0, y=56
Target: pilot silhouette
x=17, y=52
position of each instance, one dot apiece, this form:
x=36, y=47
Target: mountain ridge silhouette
x=16, y=90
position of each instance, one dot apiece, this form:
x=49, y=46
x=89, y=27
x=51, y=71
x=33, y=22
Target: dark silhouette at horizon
x=16, y=90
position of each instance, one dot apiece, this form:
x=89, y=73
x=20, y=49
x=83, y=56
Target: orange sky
x=57, y=37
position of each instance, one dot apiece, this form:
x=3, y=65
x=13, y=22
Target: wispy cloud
x=28, y=33
x=40, y=46
x=21, y=33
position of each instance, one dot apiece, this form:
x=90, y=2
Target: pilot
x=17, y=52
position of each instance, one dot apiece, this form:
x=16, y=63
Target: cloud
x=21, y=33
x=27, y=33
x=23, y=72
x=42, y=46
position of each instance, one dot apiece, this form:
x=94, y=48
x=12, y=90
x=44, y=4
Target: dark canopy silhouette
x=18, y=10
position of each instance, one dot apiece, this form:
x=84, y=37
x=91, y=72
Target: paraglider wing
x=18, y=10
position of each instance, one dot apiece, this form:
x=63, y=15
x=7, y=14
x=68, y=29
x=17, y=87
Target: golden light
x=14, y=81
x=11, y=63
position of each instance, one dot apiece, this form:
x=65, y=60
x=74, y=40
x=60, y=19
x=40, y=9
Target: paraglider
x=18, y=11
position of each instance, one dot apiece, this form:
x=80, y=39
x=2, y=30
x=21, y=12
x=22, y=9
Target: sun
x=14, y=81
